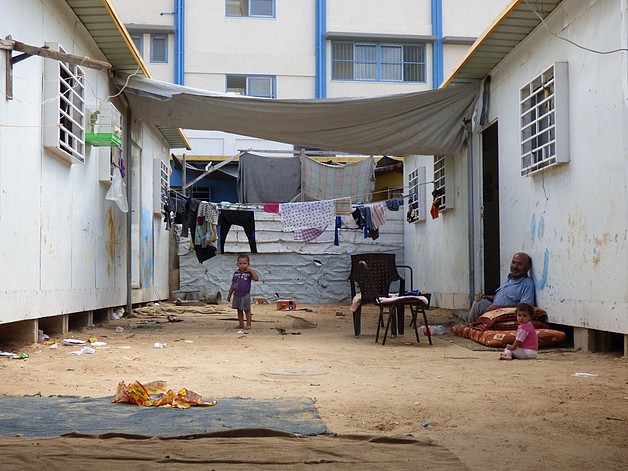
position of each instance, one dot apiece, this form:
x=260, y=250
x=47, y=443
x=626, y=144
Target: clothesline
x=209, y=223
x=259, y=206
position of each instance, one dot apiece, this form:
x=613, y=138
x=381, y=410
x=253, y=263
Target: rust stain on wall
x=576, y=222
x=110, y=241
x=603, y=241
x=600, y=242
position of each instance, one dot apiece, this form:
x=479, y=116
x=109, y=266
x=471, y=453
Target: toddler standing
x=241, y=291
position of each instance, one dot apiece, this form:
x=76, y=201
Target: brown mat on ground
x=501, y=338
x=252, y=449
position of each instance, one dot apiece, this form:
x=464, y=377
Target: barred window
x=416, y=199
x=544, y=120
x=440, y=181
x=64, y=108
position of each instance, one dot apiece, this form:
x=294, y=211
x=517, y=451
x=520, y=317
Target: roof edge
x=183, y=142
x=478, y=42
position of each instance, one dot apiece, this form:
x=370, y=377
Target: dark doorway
x=490, y=208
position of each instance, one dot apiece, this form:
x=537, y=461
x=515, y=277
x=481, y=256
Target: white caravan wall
x=572, y=219
x=437, y=249
x=63, y=244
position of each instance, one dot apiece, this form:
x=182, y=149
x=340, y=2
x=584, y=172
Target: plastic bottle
x=435, y=330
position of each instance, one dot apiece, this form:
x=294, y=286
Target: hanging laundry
x=246, y=219
x=323, y=181
x=271, y=208
x=308, y=235
x=344, y=222
x=208, y=211
x=206, y=220
x=308, y=220
x=343, y=206
x=307, y=215
x=378, y=214
x=364, y=219
x=437, y=194
x=394, y=203
x=268, y=179
x=189, y=219
x=348, y=222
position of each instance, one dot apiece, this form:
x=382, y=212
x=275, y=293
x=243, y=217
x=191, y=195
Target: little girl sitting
x=526, y=344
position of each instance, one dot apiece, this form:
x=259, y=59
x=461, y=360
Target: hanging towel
x=378, y=214
x=343, y=206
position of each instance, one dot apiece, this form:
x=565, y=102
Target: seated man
x=518, y=288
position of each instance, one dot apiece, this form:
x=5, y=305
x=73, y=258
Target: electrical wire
x=595, y=51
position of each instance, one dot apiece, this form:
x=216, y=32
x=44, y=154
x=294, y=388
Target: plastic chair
x=415, y=303
x=383, y=272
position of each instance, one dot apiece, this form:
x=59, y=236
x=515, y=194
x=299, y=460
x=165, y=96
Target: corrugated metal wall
x=314, y=273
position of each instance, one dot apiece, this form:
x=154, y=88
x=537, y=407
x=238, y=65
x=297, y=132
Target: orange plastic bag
x=155, y=394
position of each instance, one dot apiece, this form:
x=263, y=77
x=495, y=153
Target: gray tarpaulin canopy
x=424, y=123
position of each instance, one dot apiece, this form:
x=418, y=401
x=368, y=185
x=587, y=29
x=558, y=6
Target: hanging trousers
x=246, y=219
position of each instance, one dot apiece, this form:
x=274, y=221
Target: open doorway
x=490, y=208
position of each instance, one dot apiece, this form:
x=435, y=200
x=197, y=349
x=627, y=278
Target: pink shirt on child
x=526, y=334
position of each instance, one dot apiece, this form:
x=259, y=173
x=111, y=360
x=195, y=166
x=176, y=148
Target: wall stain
x=578, y=227
x=541, y=282
x=597, y=256
x=541, y=228
x=146, y=249
x=533, y=227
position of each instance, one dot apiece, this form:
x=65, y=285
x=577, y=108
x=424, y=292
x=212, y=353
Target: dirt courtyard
x=491, y=414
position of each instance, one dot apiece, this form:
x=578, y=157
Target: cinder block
x=584, y=339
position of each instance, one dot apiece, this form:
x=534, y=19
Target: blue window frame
x=159, y=48
x=252, y=8
x=378, y=62
x=138, y=40
x=262, y=86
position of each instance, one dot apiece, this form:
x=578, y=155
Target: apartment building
x=299, y=49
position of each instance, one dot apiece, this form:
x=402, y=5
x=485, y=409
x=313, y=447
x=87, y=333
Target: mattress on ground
x=497, y=328
x=501, y=338
x=505, y=318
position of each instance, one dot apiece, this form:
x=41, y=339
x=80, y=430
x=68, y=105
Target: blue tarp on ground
x=56, y=415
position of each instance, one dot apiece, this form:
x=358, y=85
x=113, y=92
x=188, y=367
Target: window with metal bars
x=416, y=195
x=544, y=120
x=440, y=183
x=64, y=108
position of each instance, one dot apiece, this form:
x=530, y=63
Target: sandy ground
x=491, y=414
